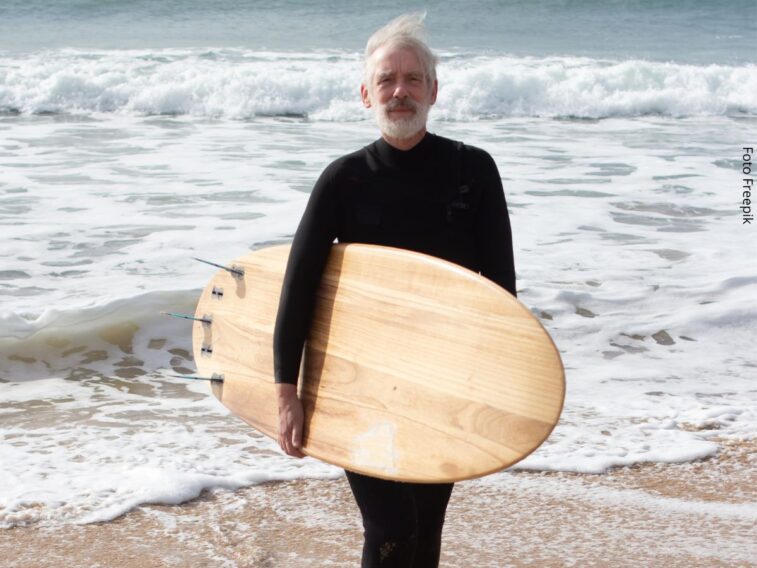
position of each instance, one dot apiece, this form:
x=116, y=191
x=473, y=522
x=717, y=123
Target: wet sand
x=702, y=513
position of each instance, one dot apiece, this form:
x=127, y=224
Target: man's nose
x=400, y=90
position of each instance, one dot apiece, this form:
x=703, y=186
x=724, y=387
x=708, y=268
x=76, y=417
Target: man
x=409, y=189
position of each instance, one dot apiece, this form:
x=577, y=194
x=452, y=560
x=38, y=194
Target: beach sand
x=693, y=514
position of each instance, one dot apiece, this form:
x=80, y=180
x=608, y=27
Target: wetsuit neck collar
x=395, y=157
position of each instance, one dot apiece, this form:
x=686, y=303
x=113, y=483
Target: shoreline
x=700, y=513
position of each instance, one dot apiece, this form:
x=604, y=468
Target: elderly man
x=409, y=189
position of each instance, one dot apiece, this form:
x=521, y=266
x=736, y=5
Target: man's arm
x=494, y=236
x=307, y=258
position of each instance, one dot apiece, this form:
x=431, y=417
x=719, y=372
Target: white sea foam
x=322, y=86
x=628, y=244
x=108, y=448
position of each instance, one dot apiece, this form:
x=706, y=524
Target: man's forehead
x=389, y=60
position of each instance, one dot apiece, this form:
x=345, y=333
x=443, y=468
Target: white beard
x=405, y=126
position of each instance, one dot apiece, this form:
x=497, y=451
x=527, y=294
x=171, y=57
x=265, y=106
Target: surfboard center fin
x=215, y=377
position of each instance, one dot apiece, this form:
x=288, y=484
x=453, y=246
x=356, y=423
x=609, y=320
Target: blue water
x=687, y=31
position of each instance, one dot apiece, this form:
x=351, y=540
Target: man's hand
x=291, y=419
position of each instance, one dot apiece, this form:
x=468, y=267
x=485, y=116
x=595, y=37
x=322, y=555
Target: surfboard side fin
x=206, y=319
x=236, y=271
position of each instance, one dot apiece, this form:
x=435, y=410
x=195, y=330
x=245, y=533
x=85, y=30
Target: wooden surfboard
x=415, y=369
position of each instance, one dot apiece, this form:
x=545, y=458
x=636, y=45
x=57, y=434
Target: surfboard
x=415, y=369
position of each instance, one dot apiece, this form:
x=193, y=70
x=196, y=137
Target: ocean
x=135, y=135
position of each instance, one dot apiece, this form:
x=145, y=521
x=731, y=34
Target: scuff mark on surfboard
x=376, y=448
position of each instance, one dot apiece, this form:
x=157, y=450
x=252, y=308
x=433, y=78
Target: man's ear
x=434, y=90
x=365, y=95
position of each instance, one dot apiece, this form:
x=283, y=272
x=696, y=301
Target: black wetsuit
x=441, y=198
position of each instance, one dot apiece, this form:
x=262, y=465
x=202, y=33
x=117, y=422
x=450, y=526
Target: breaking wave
x=322, y=86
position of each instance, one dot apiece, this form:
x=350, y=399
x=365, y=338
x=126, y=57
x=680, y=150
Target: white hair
x=405, y=31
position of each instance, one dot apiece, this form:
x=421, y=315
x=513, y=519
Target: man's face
x=399, y=92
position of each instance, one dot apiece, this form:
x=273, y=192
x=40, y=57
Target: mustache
x=395, y=104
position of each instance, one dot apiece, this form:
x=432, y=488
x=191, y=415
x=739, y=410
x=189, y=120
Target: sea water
x=136, y=135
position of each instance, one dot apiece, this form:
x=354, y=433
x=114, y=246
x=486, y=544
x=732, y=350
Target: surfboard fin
x=206, y=319
x=236, y=271
x=214, y=377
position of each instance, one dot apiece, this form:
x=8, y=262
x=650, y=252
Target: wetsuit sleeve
x=494, y=236
x=307, y=258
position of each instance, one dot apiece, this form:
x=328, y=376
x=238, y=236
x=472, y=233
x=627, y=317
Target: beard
x=401, y=127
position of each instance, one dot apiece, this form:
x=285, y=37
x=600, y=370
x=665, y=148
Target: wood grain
x=415, y=369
